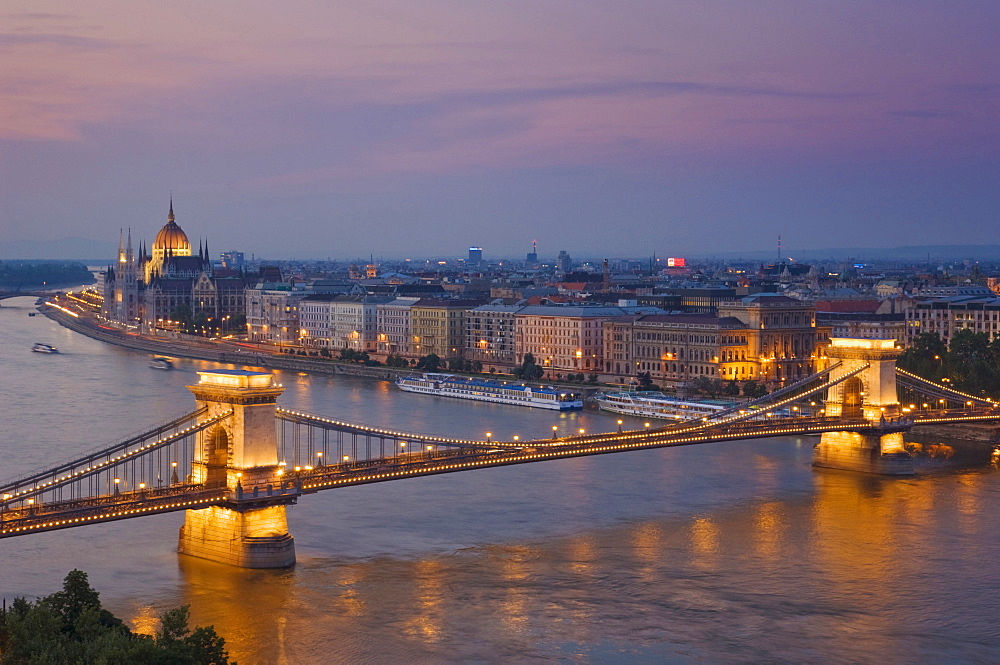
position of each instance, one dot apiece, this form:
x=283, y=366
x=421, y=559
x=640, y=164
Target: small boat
x=44, y=348
x=32, y=313
x=161, y=363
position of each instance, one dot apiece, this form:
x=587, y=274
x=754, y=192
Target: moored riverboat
x=485, y=390
x=658, y=405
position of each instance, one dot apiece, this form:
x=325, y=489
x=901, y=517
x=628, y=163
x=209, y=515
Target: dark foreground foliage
x=70, y=627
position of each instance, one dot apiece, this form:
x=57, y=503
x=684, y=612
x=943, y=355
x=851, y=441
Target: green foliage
x=528, y=369
x=926, y=357
x=592, y=379
x=970, y=363
x=350, y=355
x=70, y=626
x=753, y=389
x=711, y=387
x=732, y=389
x=396, y=361
x=429, y=363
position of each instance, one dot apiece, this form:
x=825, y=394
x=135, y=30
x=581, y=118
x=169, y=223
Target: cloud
x=922, y=114
x=8, y=39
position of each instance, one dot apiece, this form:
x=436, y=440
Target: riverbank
x=201, y=349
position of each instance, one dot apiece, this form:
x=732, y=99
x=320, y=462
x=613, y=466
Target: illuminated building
x=438, y=326
x=154, y=288
x=764, y=337
x=568, y=337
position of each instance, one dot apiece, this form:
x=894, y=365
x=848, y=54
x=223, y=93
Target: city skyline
x=690, y=128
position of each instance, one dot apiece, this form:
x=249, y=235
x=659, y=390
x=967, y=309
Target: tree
x=732, y=389
x=592, y=379
x=70, y=626
x=529, y=370
x=711, y=387
x=753, y=389
x=183, y=315
x=429, y=363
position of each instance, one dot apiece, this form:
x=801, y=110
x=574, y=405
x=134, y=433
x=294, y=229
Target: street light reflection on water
x=722, y=553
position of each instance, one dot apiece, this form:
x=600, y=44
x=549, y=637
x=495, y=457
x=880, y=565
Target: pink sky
x=492, y=123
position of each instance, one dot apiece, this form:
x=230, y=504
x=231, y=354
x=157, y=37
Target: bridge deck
x=287, y=487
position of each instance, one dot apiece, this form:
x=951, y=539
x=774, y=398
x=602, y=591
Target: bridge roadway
x=286, y=487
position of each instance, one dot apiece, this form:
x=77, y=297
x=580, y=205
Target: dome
x=172, y=237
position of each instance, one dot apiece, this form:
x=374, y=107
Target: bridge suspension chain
x=777, y=405
x=96, y=457
x=375, y=432
x=776, y=394
x=139, y=464
x=932, y=389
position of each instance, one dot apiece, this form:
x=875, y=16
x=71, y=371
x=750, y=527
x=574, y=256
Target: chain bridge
x=237, y=460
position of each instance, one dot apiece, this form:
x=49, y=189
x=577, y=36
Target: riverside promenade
x=226, y=352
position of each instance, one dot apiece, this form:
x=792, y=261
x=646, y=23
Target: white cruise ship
x=658, y=405
x=500, y=392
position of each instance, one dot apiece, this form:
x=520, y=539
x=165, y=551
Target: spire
x=170, y=215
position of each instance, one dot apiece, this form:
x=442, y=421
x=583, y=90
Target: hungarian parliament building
x=151, y=287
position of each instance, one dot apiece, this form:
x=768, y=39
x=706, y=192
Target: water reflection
x=724, y=553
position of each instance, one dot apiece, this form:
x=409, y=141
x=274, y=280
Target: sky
x=311, y=129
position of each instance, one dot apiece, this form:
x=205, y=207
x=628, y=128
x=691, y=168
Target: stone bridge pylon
x=239, y=452
x=869, y=394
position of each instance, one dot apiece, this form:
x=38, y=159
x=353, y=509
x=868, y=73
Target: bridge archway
x=216, y=457
x=853, y=395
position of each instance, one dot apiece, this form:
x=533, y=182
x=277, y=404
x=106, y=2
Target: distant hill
x=78, y=249
x=911, y=253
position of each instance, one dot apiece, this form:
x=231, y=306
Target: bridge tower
x=239, y=452
x=870, y=395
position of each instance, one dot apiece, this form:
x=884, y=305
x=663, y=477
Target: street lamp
x=488, y=435
x=619, y=425
x=555, y=428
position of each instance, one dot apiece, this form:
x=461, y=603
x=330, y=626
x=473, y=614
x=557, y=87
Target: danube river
x=723, y=553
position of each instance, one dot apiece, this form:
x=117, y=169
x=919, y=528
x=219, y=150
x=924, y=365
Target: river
x=722, y=553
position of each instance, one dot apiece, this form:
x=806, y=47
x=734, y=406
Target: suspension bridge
x=237, y=460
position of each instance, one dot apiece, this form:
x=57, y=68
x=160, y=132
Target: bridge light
x=346, y=457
